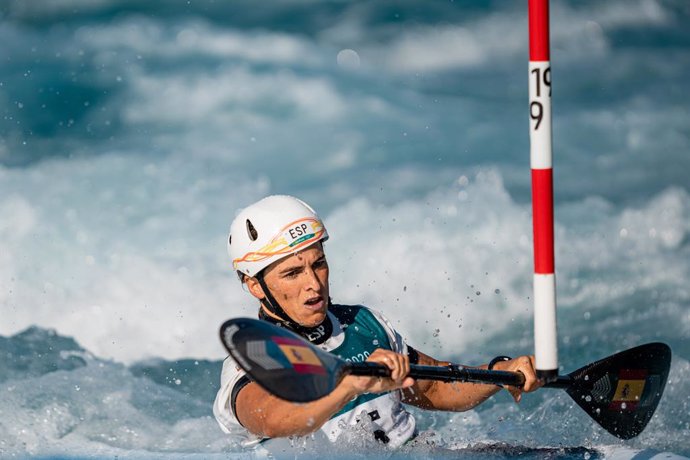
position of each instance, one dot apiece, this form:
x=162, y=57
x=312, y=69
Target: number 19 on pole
x=540, y=79
x=540, y=102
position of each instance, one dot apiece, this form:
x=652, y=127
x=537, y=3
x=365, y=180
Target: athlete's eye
x=320, y=263
x=291, y=274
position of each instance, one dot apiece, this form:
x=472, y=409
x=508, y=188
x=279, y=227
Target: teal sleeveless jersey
x=363, y=334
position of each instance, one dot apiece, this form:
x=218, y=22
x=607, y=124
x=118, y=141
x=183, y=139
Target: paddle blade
x=622, y=391
x=280, y=361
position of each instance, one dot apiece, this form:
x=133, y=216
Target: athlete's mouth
x=315, y=301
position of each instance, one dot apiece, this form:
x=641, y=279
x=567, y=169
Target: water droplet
x=436, y=332
x=178, y=381
x=478, y=292
x=348, y=59
x=497, y=291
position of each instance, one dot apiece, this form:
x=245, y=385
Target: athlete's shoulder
x=348, y=314
x=354, y=310
x=371, y=319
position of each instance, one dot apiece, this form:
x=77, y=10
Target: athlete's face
x=299, y=283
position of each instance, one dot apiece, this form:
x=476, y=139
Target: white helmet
x=270, y=229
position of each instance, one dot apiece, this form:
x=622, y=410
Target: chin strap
x=316, y=334
x=271, y=304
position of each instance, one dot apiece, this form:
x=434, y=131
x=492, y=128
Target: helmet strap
x=270, y=302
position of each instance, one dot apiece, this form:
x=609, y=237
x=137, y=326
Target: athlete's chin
x=313, y=317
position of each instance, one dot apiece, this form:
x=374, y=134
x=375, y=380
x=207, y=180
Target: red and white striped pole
x=545, y=339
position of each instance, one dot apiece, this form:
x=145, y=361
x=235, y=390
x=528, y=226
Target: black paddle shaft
x=450, y=373
x=454, y=373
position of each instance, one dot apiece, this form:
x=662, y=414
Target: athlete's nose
x=312, y=282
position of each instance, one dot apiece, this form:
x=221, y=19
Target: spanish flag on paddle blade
x=302, y=358
x=631, y=383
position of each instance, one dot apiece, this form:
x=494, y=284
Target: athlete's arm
x=266, y=415
x=461, y=396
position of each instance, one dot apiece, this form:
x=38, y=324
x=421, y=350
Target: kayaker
x=276, y=246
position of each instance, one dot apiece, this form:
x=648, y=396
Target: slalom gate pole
x=545, y=335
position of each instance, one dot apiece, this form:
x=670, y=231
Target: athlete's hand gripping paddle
x=619, y=392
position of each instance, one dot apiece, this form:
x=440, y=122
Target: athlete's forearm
x=449, y=396
x=453, y=396
x=266, y=415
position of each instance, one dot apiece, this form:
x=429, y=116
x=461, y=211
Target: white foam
x=232, y=98
x=431, y=265
x=617, y=254
x=194, y=39
x=112, y=258
x=576, y=34
x=129, y=257
x=102, y=410
x=436, y=48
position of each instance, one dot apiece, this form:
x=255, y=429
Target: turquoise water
x=133, y=131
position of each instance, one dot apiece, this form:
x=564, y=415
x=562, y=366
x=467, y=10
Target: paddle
x=619, y=392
